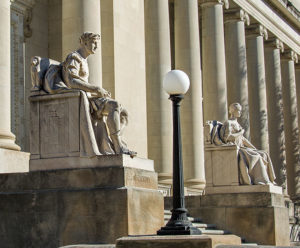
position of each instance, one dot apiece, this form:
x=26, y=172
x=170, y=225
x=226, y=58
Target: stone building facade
x=233, y=51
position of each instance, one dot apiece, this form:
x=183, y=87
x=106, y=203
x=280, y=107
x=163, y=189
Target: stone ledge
x=243, y=189
x=78, y=179
x=13, y=161
x=177, y=241
x=121, y=160
x=89, y=246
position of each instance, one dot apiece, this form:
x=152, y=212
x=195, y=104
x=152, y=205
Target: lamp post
x=176, y=84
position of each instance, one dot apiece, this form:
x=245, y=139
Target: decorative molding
x=275, y=43
x=290, y=55
x=257, y=29
x=24, y=8
x=274, y=23
x=236, y=14
x=205, y=3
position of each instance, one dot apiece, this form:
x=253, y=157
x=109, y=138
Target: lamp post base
x=179, y=230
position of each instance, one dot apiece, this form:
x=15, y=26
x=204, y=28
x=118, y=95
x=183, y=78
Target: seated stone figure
x=255, y=166
x=72, y=75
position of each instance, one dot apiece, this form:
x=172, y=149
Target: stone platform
x=178, y=241
x=13, y=161
x=78, y=206
x=259, y=217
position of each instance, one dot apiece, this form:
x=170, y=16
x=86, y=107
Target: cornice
x=237, y=14
x=274, y=23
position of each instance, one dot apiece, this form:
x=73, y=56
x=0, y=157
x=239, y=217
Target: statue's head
x=89, y=41
x=235, y=109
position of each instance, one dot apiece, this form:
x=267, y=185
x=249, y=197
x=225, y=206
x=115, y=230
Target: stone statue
x=72, y=74
x=255, y=166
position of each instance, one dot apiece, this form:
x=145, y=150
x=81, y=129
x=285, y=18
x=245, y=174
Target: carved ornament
x=290, y=55
x=257, y=30
x=236, y=15
x=275, y=43
x=24, y=7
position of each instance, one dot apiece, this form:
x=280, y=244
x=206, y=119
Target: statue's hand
x=103, y=93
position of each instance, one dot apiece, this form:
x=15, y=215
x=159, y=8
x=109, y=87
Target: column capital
x=275, y=43
x=290, y=55
x=257, y=29
x=205, y=3
x=236, y=14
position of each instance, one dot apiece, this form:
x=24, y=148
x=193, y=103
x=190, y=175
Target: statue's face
x=91, y=46
x=237, y=112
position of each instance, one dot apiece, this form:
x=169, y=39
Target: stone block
x=221, y=166
x=13, y=161
x=119, y=160
x=260, y=217
x=179, y=241
x=78, y=206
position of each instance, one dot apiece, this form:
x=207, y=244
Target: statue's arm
x=229, y=135
x=74, y=81
x=247, y=143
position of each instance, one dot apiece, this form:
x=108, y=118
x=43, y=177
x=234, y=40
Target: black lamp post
x=176, y=84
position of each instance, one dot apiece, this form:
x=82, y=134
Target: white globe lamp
x=176, y=82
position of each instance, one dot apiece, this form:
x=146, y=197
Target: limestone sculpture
x=255, y=166
x=72, y=74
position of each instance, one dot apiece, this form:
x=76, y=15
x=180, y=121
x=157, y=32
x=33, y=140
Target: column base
x=194, y=186
x=7, y=141
x=13, y=161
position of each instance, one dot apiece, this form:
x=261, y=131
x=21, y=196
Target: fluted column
x=159, y=111
x=273, y=48
x=7, y=138
x=236, y=71
x=257, y=86
x=187, y=58
x=80, y=16
x=291, y=122
x=213, y=54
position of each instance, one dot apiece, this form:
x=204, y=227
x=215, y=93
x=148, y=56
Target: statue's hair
x=233, y=106
x=86, y=36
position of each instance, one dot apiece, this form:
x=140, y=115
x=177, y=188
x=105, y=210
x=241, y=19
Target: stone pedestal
x=221, y=166
x=180, y=241
x=259, y=217
x=88, y=206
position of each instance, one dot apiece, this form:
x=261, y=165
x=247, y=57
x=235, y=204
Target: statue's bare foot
x=132, y=154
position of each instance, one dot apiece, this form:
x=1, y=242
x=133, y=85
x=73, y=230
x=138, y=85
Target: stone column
x=187, y=58
x=273, y=47
x=290, y=122
x=159, y=110
x=235, y=49
x=7, y=138
x=297, y=76
x=213, y=53
x=80, y=16
x=257, y=86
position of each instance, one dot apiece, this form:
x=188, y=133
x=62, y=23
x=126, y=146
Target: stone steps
x=208, y=229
